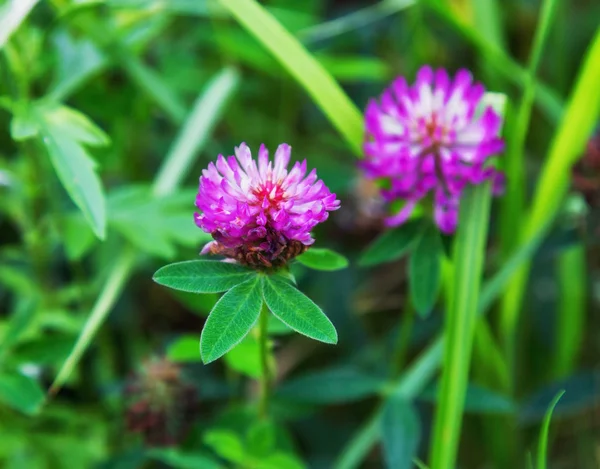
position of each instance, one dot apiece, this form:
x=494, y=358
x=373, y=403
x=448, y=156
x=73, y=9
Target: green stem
x=265, y=379
x=469, y=257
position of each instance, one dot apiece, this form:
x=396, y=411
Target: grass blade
x=423, y=369
x=503, y=64
x=357, y=19
x=513, y=202
x=294, y=57
x=468, y=260
x=199, y=125
x=108, y=296
x=543, y=444
x=581, y=115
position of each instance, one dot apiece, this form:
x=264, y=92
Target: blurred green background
x=179, y=81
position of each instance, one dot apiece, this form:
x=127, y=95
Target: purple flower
x=261, y=214
x=426, y=139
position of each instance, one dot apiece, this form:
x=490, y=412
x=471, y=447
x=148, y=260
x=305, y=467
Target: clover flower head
x=428, y=139
x=259, y=213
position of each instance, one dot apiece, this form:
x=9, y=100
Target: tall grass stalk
x=459, y=329
x=581, y=115
x=513, y=202
x=303, y=67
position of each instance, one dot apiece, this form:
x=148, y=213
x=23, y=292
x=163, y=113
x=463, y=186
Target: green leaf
x=478, y=400
x=226, y=444
x=331, y=386
x=401, y=433
x=297, y=310
x=64, y=132
x=78, y=238
x=324, y=90
x=279, y=461
x=392, y=244
x=322, y=259
x=424, y=270
x=23, y=125
x=185, y=349
x=21, y=392
x=260, y=439
x=543, y=444
x=245, y=358
x=231, y=319
x=202, y=276
x=178, y=459
x=12, y=14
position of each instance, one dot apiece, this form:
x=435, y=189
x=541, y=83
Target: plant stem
x=265, y=380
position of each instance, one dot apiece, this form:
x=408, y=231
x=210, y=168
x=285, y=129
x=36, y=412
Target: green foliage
x=297, y=311
x=21, y=392
x=303, y=67
x=424, y=270
x=231, y=319
x=65, y=132
x=392, y=244
x=344, y=384
x=401, y=433
x=111, y=109
x=203, y=276
x=322, y=259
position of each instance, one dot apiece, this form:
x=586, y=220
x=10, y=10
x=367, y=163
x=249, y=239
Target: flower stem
x=265, y=380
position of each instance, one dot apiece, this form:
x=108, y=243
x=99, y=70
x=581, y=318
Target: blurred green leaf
x=202, y=276
x=185, y=349
x=297, y=311
x=51, y=350
x=424, y=270
x=392, y=244
x=21, y=392
x=179, y=459
x=279, y=461
x=226, y=444
x=479, y=400
x=18, y=322
x=322, y=259
x=260, y=438
x=344, y=384
x=23, y=125
x=400, y=433
x=64, y=132
x=231, y=319
x=12, y=14
x=77, y=60
x=245, y=357
x=78, y=238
